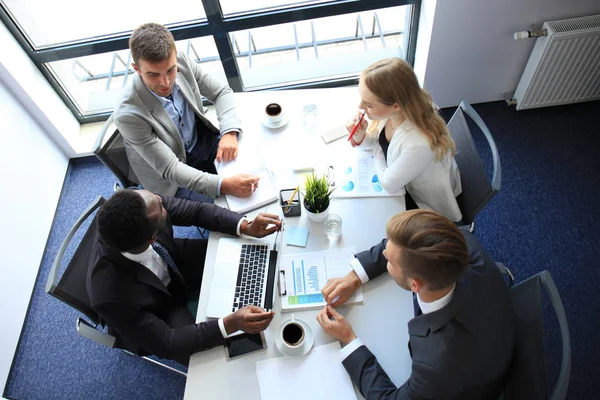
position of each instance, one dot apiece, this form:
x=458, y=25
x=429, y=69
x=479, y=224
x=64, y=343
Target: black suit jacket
x=459, y=352
x=145, y=316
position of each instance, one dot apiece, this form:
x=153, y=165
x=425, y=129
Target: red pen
x=362, y=115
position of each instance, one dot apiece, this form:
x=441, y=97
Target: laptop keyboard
x=251, y=276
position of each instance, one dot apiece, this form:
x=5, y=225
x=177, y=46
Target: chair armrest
x=88, y=331
x=497, y=173
x=100, y=139
x=506, y=272
x=53, y=276
x=562, y=384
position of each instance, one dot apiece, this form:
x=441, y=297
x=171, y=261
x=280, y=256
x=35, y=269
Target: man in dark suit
x=463, y=334
x=140, y=277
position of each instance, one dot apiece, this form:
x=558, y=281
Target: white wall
x=33, y=168
x=31, y=88
x=472, y=55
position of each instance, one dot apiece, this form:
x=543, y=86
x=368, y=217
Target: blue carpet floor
x=544, y=218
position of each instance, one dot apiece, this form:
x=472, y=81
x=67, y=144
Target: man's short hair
x=432, y=248
x=151, y=42
x=123, y=222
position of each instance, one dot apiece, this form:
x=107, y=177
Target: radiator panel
x=564, y=67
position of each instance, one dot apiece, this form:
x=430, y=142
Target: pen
x=362, y=115
x=290, y=200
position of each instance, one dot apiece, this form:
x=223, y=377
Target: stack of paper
x=303, y=275
x=318, y=375
x=248, y=162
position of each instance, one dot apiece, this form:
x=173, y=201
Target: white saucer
x=269, y=124
x=309, y=340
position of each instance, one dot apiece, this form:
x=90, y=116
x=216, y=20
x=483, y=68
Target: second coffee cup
x=274, y=112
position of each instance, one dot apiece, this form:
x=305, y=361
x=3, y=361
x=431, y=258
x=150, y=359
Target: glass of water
x=309, y=115
x=333, y=226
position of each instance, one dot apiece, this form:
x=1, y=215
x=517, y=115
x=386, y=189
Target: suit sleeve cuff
x=237, y=132
x=238, y=229
x=360, y=271
x=222, y=327
x=350, y=348
x=219, y=186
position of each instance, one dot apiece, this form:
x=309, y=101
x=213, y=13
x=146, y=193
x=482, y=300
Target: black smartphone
x=243, y=344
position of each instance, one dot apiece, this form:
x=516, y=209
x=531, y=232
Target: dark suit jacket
x=459, y=352
x=145, y=316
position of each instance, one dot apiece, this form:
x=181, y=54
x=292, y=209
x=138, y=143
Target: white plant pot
x=317, y=217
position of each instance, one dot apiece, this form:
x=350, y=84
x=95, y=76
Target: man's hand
x=342, y=288
x=259, y=226
x=228, y=147
x=241, y=185
x=250, y=319
x=334, y=324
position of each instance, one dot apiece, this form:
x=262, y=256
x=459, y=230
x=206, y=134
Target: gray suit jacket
x=462, y=351
x=154, y=147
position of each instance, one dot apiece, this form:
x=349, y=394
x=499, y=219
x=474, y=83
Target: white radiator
x=564, y=66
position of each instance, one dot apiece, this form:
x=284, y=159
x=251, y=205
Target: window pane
x=313, y=50
x=48, y=23
x=94, y=89
x=238, y=6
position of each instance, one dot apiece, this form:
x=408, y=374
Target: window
x=82, y=47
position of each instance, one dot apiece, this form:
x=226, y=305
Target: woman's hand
x=361, y=131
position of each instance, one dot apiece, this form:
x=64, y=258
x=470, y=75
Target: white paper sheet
x=249, y=162
x=319, y=375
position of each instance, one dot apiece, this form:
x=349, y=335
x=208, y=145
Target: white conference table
x=381, y=322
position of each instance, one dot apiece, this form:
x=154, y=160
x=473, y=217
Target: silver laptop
x=244, y=274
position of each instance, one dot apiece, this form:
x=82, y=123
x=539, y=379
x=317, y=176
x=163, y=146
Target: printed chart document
x=356, y=176
x=248, y=162
x=319, y=375
x=303, y=275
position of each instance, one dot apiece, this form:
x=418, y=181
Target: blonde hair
x=392, y=80
x=432, y=247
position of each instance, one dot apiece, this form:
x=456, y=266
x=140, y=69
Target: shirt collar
x=142, y=257
x=438, y=304
x=164, y=100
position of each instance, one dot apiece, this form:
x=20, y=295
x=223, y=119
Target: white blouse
x=411, y=163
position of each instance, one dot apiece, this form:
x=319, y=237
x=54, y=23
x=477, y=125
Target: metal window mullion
x=296, y=43
x=413, y=31
x=362, y=31
x=214, y=15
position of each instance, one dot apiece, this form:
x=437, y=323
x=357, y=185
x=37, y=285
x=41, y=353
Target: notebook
x=244, y=274
x=249, y=162
x=315, y=376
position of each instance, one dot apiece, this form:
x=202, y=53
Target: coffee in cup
x=274, y=112
x=293, y=334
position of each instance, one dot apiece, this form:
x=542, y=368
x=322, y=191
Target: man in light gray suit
x=463, y=334
x=169, y=142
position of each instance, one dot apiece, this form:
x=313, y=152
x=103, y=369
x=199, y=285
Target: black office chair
x=477, y=190
x=71, y=287
x=111, y=152
x=527, y=374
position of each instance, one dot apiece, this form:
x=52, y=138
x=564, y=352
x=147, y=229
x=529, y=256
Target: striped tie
x=164, y=254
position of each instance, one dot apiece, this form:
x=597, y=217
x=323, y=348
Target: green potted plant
x=316, y=197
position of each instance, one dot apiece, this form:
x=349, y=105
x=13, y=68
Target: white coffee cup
x=292, y=334
x=274, y=113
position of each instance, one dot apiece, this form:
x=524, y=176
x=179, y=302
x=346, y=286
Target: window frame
x=218, y=26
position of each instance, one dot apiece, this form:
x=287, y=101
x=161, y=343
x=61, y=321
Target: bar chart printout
x=306, y=273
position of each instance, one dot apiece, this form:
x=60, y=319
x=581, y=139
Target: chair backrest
x=71, y=287
x=527, y=374
x=477, y=190
x=112, y=153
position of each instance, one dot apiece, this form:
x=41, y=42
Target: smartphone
x=246, y=343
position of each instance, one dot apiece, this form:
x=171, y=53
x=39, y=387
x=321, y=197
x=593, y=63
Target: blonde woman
x=411, y=143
